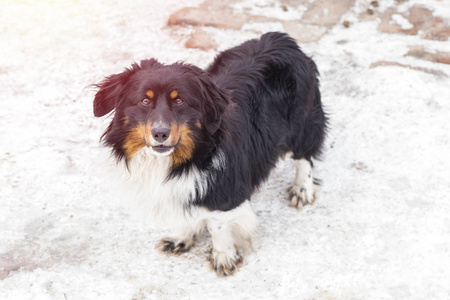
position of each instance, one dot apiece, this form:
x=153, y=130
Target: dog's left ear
x=215, y=103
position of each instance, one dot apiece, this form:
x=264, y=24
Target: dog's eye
x=145, y=101
x=178, y=102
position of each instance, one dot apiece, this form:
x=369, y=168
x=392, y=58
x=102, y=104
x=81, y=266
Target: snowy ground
x=380, y=229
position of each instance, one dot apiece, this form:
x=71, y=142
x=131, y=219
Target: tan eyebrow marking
x=126, y=121
x=173, y=94
x=150, y=94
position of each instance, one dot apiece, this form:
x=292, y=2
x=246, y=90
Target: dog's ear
x=110, y=90
x=215, y=103
x=109, y=93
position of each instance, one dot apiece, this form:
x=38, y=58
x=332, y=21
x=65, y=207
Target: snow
x=402, y=21
x=270, y=9
x=380, y=229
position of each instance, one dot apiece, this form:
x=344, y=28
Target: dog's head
x=167, y=108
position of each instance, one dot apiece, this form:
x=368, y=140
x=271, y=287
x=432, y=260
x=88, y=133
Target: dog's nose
x=160, y=134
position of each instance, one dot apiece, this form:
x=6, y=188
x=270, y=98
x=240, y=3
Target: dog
x=195, y=144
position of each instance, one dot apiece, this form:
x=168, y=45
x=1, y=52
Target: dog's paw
x=225, y=264
x=303, y=194
x=173, y=246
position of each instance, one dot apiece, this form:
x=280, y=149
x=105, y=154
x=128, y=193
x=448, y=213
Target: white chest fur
x=165, y=200
x=147, y=186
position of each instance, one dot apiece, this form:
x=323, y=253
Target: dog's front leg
x=225, y=256
x=230, y=232
x=182, y=242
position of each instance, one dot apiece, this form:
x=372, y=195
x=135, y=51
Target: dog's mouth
x=163, y=149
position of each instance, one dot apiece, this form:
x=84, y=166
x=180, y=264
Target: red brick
x=205, y=17
x=201, y=40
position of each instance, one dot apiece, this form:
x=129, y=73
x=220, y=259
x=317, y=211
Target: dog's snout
x=161, y=134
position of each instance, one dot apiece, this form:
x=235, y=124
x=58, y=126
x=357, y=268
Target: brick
x=388, y=25
x=422, y=19
x=206, y=17
x=201, y=40
x=419, y=52
x=304, y=33
x=437, y=30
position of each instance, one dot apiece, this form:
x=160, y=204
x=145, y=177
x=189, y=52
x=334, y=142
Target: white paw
x=304, y=191
x=225, y=264
x=303, y=194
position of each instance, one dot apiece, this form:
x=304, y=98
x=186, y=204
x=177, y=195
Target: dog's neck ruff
x=156, y=195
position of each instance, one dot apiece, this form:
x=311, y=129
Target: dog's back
x=275, y=88
x=277, y=84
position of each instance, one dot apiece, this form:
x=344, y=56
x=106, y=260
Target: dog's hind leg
x=303, y=190
x=305, y=148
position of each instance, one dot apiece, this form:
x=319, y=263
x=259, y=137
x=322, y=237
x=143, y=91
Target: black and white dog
x=196, y=143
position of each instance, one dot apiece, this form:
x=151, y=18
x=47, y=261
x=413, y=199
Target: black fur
x=255, y=102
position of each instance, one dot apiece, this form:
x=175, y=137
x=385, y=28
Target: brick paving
x=318, y=18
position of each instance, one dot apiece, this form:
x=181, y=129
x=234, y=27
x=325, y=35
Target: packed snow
x=379, y=230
